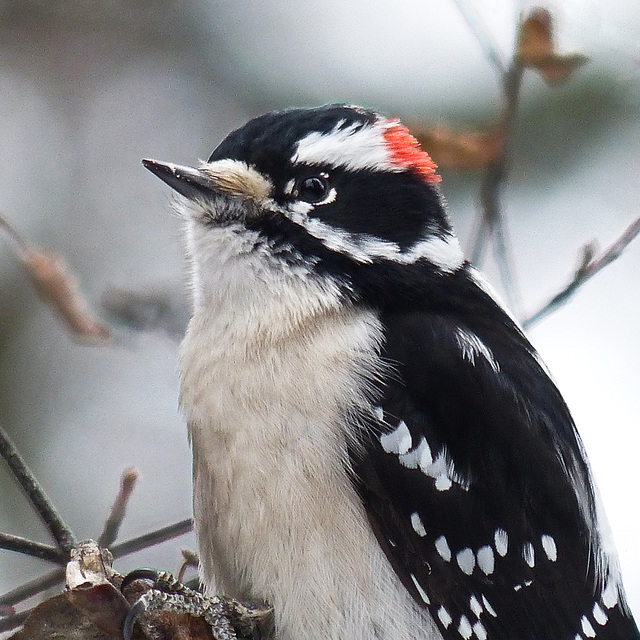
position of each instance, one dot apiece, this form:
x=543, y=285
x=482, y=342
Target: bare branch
x=61, y=533
x=590, y=264
x=33, y=588
x=112, y=525
x=152, y=538
x=31, y=548
x=491, y=216
x=481, y=33
x=13, y=621
x=13, y=233
x=56, y=285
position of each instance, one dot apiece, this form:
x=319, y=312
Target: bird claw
x=229, y=619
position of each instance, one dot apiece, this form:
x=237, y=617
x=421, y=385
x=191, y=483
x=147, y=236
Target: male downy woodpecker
x=378, y=451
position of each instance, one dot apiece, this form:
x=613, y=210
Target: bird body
x=378, y=450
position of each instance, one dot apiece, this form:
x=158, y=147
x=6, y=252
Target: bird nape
x=378, y=451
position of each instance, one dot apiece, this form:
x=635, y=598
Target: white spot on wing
x=443, y=471
x=443, y=483
x=466, y=560
x=486, y=559
x=528, y=553
x=444, y=617
x=501, y=540
x=599, y=615
x=610, y=595
x=464, y=628
x=398, y=441
x=479, y=631
x=420, y=590
x=442, y=547
x=472, y=347
x=490, y=610
x=378, y=412
x=418, y=457
x=416, y=523
x=475, y=606
x=549, y=547
x=587, y=629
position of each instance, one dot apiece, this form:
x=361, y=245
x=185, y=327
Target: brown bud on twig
x=536, y=49
x=55, y=284
x=461, y=150
x=109, y=534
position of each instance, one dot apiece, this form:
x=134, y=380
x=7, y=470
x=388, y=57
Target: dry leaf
x=58, y=617
x=558, y=68
x=536, y=49
x=58, y=286
x=461, y=150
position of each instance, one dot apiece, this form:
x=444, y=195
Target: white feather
x=272, y=363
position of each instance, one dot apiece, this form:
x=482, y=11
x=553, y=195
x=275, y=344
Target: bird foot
x=228, y=618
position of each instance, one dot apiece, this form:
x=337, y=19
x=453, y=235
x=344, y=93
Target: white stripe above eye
x=353, y=147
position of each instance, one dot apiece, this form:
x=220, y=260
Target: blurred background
x=89, y=87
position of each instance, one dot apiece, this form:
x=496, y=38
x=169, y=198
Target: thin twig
x=491, y=212
x=13, y=233
x=152, y=538
x=43, y=506
x=13, y=621
x=585, y=271
x=481, y=33
x=505, y=262
x=31, y=548
x=118, y=510
x=33, y=587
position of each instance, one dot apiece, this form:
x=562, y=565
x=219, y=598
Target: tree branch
x=61, y=533
x=152, y=538
x=118, y=510
x=588, y=268
x=31, y=548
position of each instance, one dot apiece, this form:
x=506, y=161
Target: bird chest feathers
x=271, y=506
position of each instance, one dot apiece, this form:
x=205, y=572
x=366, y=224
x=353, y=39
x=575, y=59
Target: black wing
x=477, y=486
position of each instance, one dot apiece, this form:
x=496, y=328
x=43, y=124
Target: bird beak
x=226, y=176
x=187, y=181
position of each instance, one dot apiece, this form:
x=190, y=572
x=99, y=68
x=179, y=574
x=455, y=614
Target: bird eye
x=313, y=189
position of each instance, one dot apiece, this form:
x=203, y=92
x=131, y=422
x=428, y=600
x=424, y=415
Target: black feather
x=515, y=464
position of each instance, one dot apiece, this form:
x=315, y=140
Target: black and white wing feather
x=477, y=487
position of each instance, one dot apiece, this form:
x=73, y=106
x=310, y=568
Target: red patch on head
x=405, y=151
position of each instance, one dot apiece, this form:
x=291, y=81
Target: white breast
x=273, y=369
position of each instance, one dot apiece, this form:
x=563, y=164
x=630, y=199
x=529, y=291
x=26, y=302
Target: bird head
x=336, y=192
